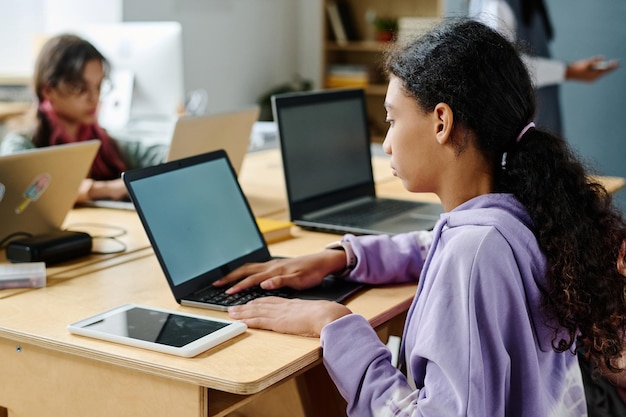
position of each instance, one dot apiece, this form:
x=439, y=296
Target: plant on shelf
x=386, y=28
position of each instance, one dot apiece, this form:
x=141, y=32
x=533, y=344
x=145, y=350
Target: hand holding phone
x=604, y=65
x=590, y=69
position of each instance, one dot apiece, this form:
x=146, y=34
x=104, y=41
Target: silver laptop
x=230, y=131
x=201, y=227
x=38, y=187
x=195, y=135
x=325, y=144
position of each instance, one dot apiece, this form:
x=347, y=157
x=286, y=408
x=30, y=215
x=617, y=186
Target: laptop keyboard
x=216, y=295
x=368, y=213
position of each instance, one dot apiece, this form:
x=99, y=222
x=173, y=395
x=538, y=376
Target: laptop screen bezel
x=184, y=289
x=298, y=209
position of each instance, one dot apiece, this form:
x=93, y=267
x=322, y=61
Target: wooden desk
x=88, y=376
x=263, y=182
x=611, y=184
x=261, y=178
x=12, y=109
x=52, y=372
x=102, y=224
x=393, y=188
x=48, y=371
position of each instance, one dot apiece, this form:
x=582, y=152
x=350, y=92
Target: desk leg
x=309, y=394
x=319, y=395
x=43, y=382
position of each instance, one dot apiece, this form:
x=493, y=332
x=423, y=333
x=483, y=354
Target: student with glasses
x=70, y=77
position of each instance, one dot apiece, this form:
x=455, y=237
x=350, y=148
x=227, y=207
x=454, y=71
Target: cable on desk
x=13, y=236
x=112, y=237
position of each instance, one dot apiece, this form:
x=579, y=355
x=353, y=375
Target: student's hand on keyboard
x=293, y=316
x=297, y=273
x=101, y=190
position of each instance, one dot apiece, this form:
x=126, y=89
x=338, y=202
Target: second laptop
x=325, y=144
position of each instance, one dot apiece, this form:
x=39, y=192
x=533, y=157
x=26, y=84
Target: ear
x=444, y=122
x=46, y=90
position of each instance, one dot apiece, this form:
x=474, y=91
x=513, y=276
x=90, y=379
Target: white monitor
x=146, y=69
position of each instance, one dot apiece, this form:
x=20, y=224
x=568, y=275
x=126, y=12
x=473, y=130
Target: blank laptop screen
x=198, y=218
x=325, y=145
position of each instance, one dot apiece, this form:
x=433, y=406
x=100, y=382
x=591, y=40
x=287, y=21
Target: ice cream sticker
x=34, y=191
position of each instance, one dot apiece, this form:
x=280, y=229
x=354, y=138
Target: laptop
x=201, y=227
x=194, y=135
x=38, y=187
x=325, y=144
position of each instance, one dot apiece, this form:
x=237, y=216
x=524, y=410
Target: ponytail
x=580, y=232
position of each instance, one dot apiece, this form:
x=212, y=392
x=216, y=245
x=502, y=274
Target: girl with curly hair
x=523, y=267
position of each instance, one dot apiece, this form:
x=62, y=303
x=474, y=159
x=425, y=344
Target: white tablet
x=153, y=328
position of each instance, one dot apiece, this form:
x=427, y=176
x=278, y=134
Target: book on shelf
x=338, y=76
x=340, y=18
x=274, y=230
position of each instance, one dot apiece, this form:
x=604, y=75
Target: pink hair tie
x=524, y=130
x=519, y=137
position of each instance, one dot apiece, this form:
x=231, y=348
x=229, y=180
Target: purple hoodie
x=475, y=342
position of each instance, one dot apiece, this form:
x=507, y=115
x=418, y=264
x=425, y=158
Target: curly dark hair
x=480, y=75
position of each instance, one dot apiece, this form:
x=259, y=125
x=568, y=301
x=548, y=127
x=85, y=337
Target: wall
x=18, y=21
x=238, y=49
x=234, y=49
x=594, y=114
x=22, y=21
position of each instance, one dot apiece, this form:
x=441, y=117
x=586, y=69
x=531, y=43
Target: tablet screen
x=156, y=326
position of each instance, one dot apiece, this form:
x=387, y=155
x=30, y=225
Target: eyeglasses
x=81, y=89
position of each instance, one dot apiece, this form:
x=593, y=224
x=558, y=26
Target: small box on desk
x=24, y=275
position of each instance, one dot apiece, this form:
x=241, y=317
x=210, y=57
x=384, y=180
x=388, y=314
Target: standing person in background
x=527, y=260
x=69, y=76
x=528, y=23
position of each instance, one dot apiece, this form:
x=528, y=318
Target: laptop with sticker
x=201, y=227
x=38, y=187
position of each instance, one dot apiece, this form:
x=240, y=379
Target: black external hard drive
x=50, y=247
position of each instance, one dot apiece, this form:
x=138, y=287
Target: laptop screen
x=196, y=216
x=325, y=142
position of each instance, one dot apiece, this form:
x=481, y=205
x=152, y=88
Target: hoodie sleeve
x=362, y=371
x=383, y=259
x=138, y=155
x=468, y=324
x=14, y=142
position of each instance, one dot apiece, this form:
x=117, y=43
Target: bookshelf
x=352, y=52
